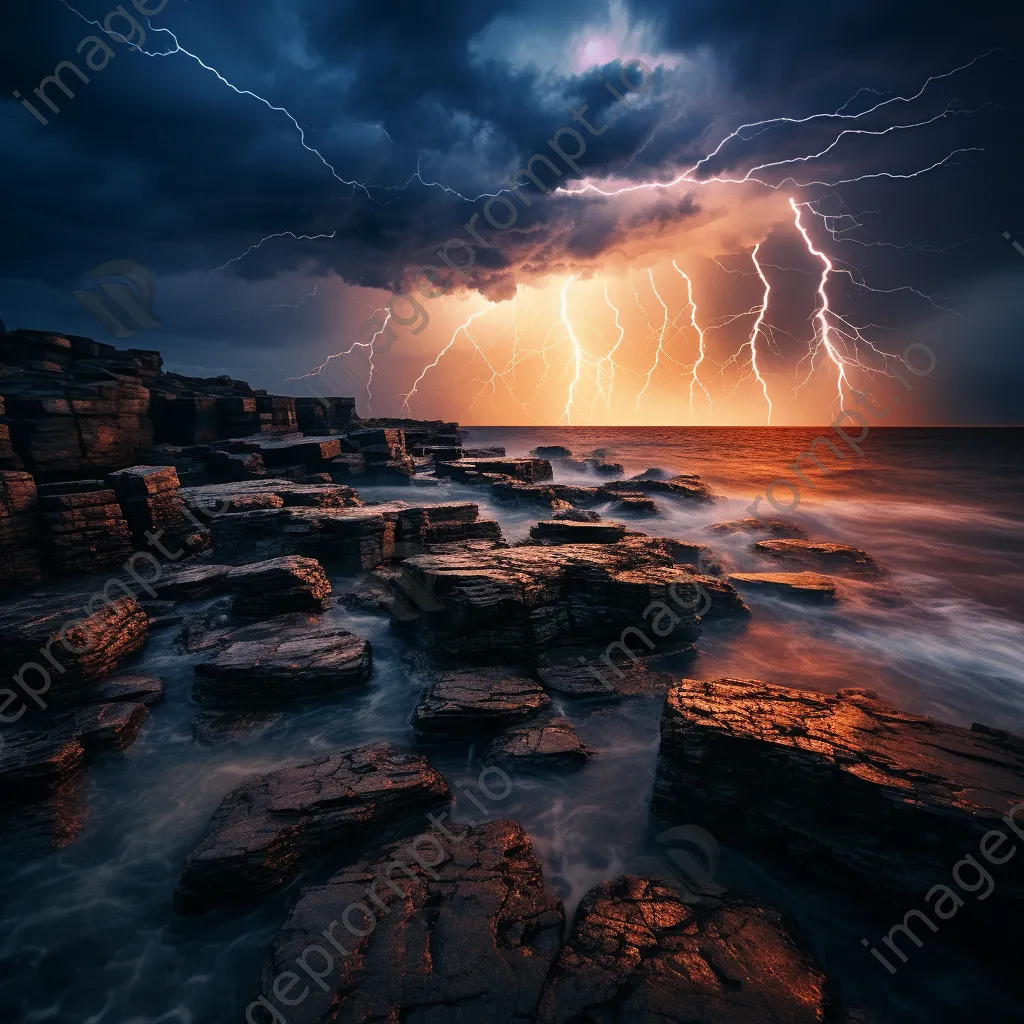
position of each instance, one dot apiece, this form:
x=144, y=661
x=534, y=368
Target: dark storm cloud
x=156, y=160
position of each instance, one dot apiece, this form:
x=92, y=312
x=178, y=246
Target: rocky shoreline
x=133, y=501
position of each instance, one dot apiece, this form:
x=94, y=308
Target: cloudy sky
x=285, y=169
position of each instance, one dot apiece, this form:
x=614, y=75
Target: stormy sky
x=215, y=139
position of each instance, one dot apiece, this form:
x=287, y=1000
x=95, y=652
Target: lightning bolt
x=661, y=339
x=576, y=347
x=462, y=328
x=823, y=330
x=695, y=379
x=757, y=329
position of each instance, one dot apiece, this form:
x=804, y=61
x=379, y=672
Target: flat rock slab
x=467, y=941
x=549, y=743
x=466, y=700
x=638, y=953
x=842, y=787
x=811, y=587
x=836, y=557
x=754, y=524
x=567, y=531
x=528, y=470
x=271, y=827
x=283, y=659
x=636, y=504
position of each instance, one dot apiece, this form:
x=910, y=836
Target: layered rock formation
x=273, y=826
x=85, y=529
x=546, y=744
x=509, y=604
x=468, y=939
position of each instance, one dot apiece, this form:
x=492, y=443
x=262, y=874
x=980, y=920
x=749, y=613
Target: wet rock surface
x=271, y=827
x=638, y=953
x=606, y=673
x=553, y=743
x=467, y=941
x=515, y=602
x=466, y=700
x=285, y=659
x=842, y=788
x=810, y=587
x=834, y=557
x=470, y=470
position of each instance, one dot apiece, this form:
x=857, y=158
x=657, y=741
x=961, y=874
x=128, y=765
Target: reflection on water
x=86, y=929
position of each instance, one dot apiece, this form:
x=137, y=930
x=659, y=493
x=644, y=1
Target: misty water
x=87, y=929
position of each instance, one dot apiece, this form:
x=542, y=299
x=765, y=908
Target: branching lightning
x=834, y=335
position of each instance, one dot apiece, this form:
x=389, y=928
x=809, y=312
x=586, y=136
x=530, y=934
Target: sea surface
x=87, y=932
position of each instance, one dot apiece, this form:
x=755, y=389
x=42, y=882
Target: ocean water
x=87, y=932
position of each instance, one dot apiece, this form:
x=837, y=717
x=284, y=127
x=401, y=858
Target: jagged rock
x=802, y=586
x=20, y=530
x=84, y=528
x=820, y=555
x=640, y=952
x=283, y=659
x=552, y=742
x=467, y=700
x=509, y=604
x=754, y=524
x=567, y=531
x=151, y=499
x=468, y=940
x=261, y=589
x=551, y=452
x=88, y=647
x=686, y=485
x=528, y=470
x=273, y=826
x=842, y=788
